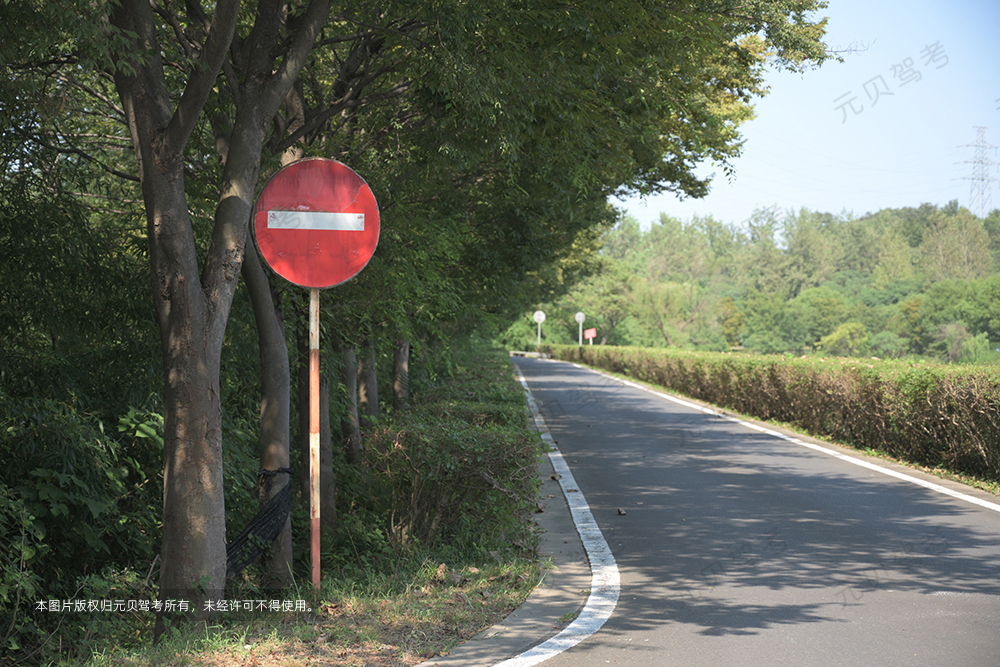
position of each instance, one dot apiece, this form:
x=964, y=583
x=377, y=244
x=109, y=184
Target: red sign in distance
x=590, y=333
x=316, y=223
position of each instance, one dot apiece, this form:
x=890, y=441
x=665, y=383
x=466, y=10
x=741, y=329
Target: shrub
x=459, y=461
x=74, y=498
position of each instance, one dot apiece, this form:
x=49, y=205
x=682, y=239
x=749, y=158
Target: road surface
x=736, y=547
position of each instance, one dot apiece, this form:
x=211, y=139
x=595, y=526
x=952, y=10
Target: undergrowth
x=434, y=543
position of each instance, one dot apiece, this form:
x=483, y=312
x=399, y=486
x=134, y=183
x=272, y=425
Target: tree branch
x=171, y=18
x=69, y=149
x=298, y=53
x=318, y=119
x=203, y=77
x=405, y=30
x=69, y=81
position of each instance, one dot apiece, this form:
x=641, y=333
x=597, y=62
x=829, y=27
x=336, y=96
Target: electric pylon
x=981, y=189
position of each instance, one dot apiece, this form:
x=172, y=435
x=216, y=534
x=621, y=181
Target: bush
x=74, y=498
x=461, y=460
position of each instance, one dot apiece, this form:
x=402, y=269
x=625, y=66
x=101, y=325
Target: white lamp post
x=539, y=317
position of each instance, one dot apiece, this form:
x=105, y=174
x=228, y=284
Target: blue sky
x=839, y=139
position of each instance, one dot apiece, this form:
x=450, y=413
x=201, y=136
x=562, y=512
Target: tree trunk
x=193, y=557
x=274, y=412
x=368, y=384
x=275, y=436
x=350, y=427
x=401, y=375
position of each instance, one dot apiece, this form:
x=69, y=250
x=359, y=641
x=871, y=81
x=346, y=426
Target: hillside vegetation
x=918, y=281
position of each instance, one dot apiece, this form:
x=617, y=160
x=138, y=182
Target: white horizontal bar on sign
x=318, y=220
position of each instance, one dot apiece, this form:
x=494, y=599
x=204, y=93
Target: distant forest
x=919, y=281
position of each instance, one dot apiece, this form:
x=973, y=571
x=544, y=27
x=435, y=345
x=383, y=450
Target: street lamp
x=539, y=317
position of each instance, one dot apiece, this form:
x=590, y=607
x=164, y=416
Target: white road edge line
x=819, y=448
x=605, y=581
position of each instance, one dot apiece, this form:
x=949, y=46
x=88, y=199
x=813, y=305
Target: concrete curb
x=552, y=605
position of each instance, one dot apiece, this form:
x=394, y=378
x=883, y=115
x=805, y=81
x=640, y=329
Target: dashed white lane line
x=605, y=582
x=819, y=448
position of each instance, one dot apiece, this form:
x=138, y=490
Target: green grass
x=401, y=618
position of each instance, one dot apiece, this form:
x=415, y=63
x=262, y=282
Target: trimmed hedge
x=929, y=414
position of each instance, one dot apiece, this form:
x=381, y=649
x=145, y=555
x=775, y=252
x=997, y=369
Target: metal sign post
x=314, y=525
x=580, y=317
x=316, y=224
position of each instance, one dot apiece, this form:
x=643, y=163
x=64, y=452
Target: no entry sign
x=316, y=223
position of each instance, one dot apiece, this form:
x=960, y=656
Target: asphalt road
x=736, y=547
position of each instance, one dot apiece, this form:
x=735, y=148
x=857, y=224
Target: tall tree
x=955, y=246
x=813, y=249
x=192, y=301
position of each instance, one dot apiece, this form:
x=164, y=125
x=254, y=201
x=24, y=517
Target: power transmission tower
x=981, y=189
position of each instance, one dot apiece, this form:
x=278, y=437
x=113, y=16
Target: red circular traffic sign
x=316, y=223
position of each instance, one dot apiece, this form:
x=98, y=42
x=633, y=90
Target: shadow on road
x=727, y=532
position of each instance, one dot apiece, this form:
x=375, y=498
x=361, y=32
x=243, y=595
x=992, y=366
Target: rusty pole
x=314, y=433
